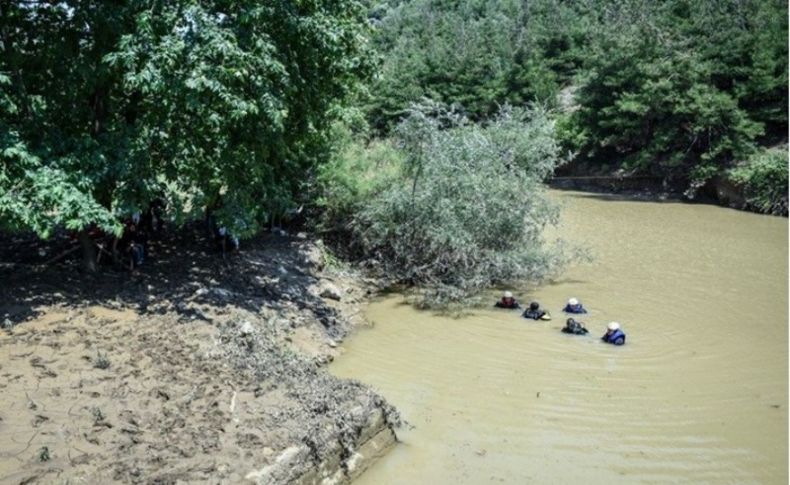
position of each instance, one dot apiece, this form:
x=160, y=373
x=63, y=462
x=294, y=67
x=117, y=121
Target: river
x=697, y=395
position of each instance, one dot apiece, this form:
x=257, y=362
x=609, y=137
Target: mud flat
x=192, y=370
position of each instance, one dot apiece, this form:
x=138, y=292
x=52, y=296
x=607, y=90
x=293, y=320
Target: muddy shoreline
x=193, y=369
x=717, y=191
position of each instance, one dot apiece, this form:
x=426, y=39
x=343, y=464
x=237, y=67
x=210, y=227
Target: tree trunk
x=88, y=251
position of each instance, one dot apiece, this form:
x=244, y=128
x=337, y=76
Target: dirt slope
x=194, y=369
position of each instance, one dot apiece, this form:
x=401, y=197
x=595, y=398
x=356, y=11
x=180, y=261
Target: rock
x=221, y=293
x=246, y=328
x=328, y=290
x=314, y=256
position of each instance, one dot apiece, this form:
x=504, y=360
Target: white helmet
x=507, y=295
x=613, y=326
x=573, y=301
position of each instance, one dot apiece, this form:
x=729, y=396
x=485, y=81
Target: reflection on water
x=698, y=395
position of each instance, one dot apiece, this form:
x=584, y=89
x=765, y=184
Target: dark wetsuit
x=575, y=328
x=533, y=314
x=133, y=241
x=616, y=338
x=153, y=218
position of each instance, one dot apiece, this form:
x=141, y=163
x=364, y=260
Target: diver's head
x=534, y=305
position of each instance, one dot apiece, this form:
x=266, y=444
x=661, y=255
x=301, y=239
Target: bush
x=358, y=170
x=469, y=207
x=763, y=178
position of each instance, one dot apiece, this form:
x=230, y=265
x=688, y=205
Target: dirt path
x=192, y=370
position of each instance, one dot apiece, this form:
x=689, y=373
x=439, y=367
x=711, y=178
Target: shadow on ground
x=179, y=266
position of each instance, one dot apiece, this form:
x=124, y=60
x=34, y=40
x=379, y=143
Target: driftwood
x=55, y=259
x=61, y=255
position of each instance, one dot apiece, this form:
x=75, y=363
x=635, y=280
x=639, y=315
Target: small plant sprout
x=44, y=455
x=101, y=362
x=98, y=416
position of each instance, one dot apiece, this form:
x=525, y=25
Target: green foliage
x=44, y=454
x=101, y=361
x=764, y=179
x=98, y=415
x=107, y=104
x=469, y=208
x=357, y=171
x=677, y=89
x=475, y=54
x=670, y=88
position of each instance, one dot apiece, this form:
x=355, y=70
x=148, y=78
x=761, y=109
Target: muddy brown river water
x=698, y=394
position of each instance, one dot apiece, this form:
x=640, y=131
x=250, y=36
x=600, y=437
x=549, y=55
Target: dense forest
x=680, y=89
x=385, y=119
x=106, y=105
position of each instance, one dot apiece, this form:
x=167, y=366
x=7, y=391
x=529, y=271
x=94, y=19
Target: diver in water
x=507, y=301
x=535, y=312
x=574, y=306
x=613, y=334
x=574, y=327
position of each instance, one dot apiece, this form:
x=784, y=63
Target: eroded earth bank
x=193, y=369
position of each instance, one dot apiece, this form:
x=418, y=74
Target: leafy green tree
x=474, y=54
x=357, y=171
x=680, y=89
x=223, y=103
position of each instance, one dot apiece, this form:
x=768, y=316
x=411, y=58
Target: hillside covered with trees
x=680, y=89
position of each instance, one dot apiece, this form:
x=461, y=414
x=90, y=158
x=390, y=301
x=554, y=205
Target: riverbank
x=192, y=369
x=719, y=190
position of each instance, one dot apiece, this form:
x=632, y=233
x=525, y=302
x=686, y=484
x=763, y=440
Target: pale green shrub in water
x=470, y=208
x=764, y=180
